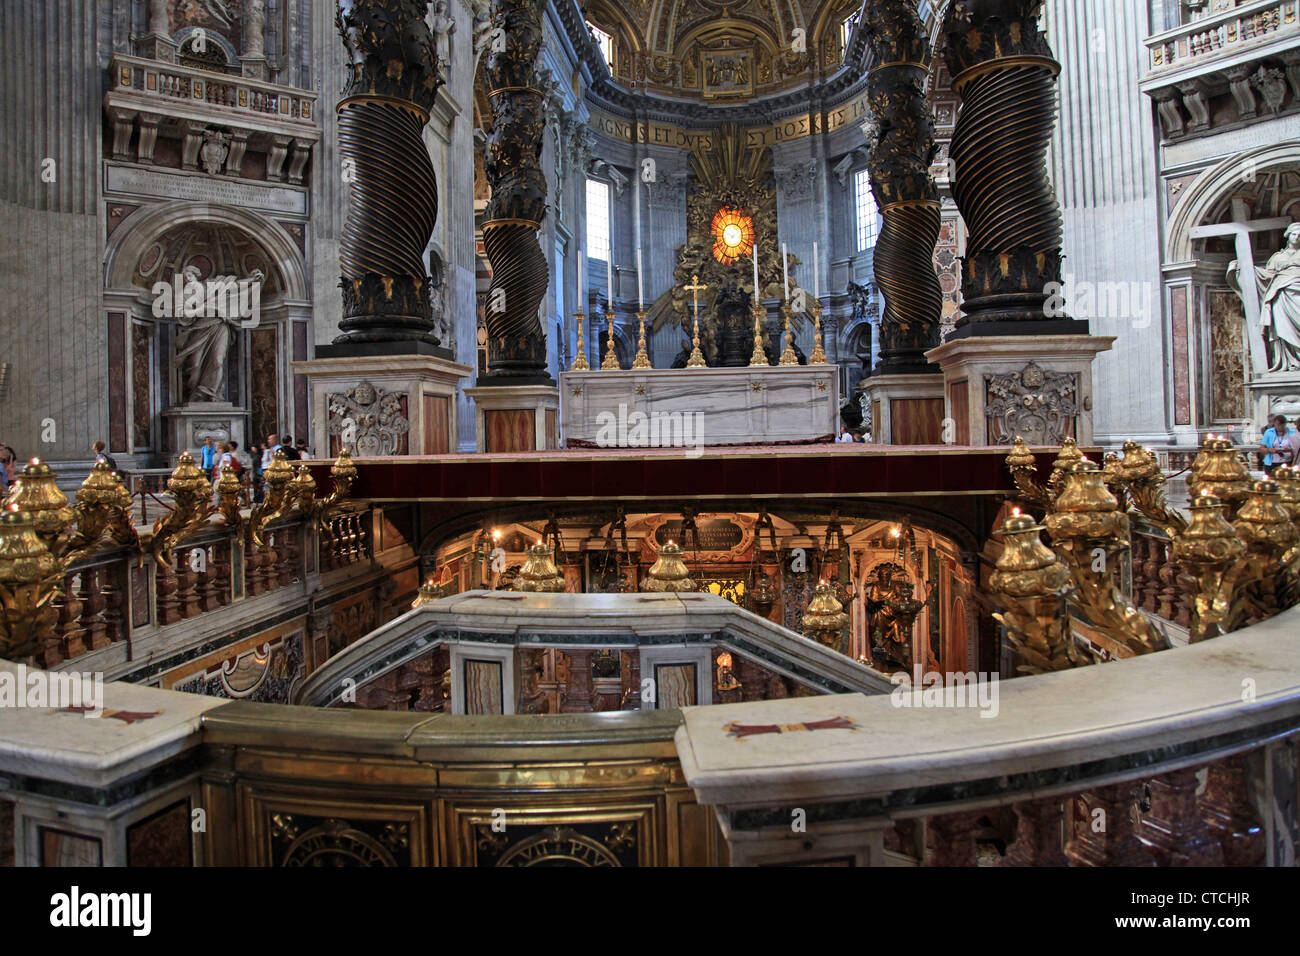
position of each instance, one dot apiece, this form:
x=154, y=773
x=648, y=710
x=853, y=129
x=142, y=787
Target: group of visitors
x=217, y=457
x=1280, y=444
x=850, y=436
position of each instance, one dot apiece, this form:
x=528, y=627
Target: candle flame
x=1015, y=512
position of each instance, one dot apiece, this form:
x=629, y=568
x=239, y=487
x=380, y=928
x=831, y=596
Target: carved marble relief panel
x=264, y=383
x=1227, y=356
x=1035, y=404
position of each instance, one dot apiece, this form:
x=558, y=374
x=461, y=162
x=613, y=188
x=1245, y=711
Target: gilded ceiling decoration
x=723, y=50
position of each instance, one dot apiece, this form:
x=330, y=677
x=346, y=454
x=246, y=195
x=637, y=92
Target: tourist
x=1286, y=451
x=101, y=454
x=268, y=453
x=210, y=454
x=9, y=461
x=845, y=436
x=255, y=472
x=5, y=455
x=1274, y=435
x=290, y=452
x=301, y=448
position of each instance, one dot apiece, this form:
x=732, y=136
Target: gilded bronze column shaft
x=516, y=338
x=899, y=166
x=393, y=199
x=1005, y=74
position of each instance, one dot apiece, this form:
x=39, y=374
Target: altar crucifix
x=697, y=357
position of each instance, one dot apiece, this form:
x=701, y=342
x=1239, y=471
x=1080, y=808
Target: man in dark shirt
x=286, y=446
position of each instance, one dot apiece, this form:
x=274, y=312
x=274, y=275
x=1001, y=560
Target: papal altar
x=693, y=407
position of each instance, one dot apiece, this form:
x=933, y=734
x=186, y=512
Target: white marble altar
x=691, y=408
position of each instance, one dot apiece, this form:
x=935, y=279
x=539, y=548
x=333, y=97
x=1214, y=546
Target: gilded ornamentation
x=669, y=572
x=1030, y=585
x=1090, y=533
x=28, y=583
x=824, y=620
x=539, y=572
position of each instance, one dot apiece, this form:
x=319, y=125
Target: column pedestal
x=516, y=417
x=906, y=409
x=425, y=391
x=1036, y=386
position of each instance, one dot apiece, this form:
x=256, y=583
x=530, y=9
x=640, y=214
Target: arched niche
x=154, y=245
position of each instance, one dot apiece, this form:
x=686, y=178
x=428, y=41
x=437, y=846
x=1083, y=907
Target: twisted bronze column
x=516, y=339
x=393, y=205
x=1005, y=74
x=899, y=166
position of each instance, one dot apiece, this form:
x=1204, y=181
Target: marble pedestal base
x=189, y=426
x=906, y=409
x=1036, y=386
x=425, y=387
x=511, y=418
x=1275, y=394
x=668, y=408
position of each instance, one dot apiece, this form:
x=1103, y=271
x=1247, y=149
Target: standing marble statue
x=254, y=29
x=1279, y=302
x=443, y=27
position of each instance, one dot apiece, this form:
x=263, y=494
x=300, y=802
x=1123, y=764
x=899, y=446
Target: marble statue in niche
x=203, y=335
x=369, y=420
x=443, y=27
x=1279, y=302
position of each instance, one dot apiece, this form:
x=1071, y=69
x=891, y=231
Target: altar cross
x=1241, y=232
x=695, y=288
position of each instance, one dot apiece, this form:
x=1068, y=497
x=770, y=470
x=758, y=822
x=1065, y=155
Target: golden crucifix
x=697, y=357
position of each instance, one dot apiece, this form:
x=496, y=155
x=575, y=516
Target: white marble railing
x=638, y=617
x=169, y=85
x=1213, y=39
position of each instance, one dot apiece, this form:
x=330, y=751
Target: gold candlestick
x=697, y=357
x=580, y=360
x=818, y=356
x=642, y=360
x=788, y=356
x=611, y=355
x=759, y=356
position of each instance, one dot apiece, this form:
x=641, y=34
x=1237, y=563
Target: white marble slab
x=722, y=406
x=1158, y=700
x=96, y=751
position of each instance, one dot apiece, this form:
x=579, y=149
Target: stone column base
x=516, y=417
x=1036, y=386
x=425, y=386
x=906, y=409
